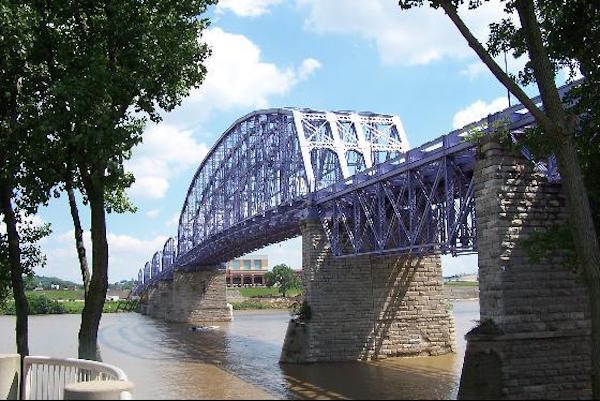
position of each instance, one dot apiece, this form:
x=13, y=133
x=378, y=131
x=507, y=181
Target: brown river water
x=239, y=360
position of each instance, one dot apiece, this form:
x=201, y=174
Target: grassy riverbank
x=260, y=298
x=41, y=303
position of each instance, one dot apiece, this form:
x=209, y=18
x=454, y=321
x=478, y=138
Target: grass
x=249, y=305
x=266, y=292
x=462, y=284
x=60, y=294
x=258, y=304
x=54, y=307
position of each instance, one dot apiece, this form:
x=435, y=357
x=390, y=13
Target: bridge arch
x=255, y=181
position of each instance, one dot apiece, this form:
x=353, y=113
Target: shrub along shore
x=42, y=304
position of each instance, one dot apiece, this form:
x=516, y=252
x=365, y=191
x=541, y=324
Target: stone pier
x=160, y=299
x=197, y=298
x=534, y=338
x=153, y=301
x=368, y=307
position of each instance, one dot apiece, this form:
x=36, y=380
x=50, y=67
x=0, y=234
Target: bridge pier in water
x=367, y=307
x=198, y=297
x=534, y=340
x=194, y=297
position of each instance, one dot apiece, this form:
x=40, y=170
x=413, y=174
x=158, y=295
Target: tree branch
x=543, y=70
x=503, y=77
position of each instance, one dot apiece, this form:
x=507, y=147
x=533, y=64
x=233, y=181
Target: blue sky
x=330, y=55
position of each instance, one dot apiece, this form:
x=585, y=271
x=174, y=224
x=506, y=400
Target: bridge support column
x=165, y=295
x=159, y=299
x=367, y=307
x=153, y=304
x=199, y=298
x=534, y=338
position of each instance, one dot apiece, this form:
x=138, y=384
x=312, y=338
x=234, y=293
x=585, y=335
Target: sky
x=327, y=55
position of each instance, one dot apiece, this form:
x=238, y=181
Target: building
x=247, y=271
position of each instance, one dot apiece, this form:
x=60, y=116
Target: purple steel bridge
x=354, y=171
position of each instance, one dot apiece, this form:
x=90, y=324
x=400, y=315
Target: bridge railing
x=45, y=378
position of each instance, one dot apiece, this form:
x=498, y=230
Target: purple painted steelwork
x=252, y=187
x=354, y=171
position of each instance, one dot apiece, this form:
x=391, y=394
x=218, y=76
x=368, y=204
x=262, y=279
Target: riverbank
x=243, y=299
x=42, y=304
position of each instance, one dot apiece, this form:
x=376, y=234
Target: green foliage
x=301, y=311
x=462, y=284
x=39, y=304
x=283, y=277
x=43, y=304
x=44, y=282
x=31, y=254
x=554, y=242
x=250, y=305
x=267, y=292
x=63, y=295
x=475, y=134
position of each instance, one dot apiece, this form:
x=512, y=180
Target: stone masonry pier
x=368, y=307
x=534, y=338
x=190, y=297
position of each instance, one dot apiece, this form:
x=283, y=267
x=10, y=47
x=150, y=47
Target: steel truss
x=355, y=171
x=425, y=204
x=252, y=187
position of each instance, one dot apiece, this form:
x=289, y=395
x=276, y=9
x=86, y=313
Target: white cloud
x=477, y=111
x=246, y=8
x=403, y=37
x=127, y=255
x=237, y=76
x=308, y=67
x=165, y=152
x=34, y=220
x=474, y=70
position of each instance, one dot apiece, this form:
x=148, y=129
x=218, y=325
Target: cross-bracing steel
x=354, y=171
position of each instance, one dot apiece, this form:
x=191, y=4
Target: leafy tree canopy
x=283, y=276
x=31, y=254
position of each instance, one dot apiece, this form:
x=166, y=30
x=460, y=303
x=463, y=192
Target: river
x=239, y=360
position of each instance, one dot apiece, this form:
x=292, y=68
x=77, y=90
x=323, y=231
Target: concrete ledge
x=99, y=390
x=10, y=374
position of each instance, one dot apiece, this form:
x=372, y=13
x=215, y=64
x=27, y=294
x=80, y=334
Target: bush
x=43, y=305
x=302, y=311
x=38, y=305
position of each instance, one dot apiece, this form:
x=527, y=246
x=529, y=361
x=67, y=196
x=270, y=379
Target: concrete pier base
x=368, y=307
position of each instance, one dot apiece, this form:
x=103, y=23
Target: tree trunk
x=586, y=243
x=16, y=270
x=94, y=302
x=79, y=244
x=562, y=136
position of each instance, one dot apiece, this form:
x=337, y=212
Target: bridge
x=375, y=215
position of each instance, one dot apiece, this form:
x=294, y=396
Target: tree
x=557, y=123
x=119, y=63
x=24, y=182
x=31, y=254
x=283, y=276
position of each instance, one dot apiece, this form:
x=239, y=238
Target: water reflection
x=239, y=360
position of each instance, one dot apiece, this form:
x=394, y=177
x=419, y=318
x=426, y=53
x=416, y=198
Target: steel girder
x=422, y=204
x=354, y=170
x=252, y=187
